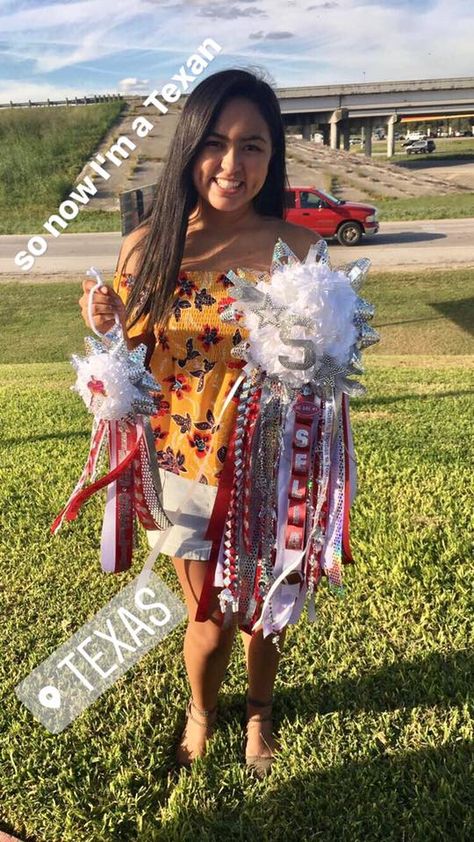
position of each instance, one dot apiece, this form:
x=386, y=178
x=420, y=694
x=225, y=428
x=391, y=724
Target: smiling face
x=232, y=166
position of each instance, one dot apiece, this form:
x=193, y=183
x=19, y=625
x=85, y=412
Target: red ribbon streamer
x=346, y=550
x=75, y=504
x=127, y=492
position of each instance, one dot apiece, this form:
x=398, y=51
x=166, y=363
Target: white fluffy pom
x=311, y=290
x=104, y=380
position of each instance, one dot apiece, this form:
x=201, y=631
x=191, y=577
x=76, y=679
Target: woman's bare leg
x=262, y=658
x=207, y=648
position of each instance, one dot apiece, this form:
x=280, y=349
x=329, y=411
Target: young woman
x=219, y=205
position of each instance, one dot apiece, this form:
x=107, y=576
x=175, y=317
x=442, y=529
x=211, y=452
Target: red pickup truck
x=329, y=216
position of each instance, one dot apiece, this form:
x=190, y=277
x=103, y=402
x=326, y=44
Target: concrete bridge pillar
x=333, y=134
x=306, y=128
x=391, y=135
x=368, y=124
x=334, y=128
x=346, y=134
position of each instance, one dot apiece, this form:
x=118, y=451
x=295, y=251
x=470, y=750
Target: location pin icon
x=49, y=696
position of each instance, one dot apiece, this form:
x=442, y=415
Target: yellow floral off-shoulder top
x=194, y=367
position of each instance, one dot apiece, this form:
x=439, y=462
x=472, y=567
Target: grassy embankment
x=450, y=206
x=449, y=151
x=42, y=151
x=371, y=703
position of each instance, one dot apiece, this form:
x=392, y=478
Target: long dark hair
x=162, y=248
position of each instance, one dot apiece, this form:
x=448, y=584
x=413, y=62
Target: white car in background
x=420, y=146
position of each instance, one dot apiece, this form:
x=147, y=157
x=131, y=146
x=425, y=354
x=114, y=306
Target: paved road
x=398, y=246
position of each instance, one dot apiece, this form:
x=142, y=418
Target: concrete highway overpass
x=337, y=110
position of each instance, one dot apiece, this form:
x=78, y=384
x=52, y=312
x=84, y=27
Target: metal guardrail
x=77, y=100
x=134, y=205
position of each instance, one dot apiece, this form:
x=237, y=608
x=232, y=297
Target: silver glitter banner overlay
x=102, y=650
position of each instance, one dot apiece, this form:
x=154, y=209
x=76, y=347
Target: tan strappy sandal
x=256, y=762
x=183, y=755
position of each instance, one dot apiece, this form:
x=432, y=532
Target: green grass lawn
x=441, y=206
x=42, y=152
x=88, y=221
x=372, y=703
x=417, y=313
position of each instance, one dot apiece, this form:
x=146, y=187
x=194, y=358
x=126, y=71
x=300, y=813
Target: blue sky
x=56, y=49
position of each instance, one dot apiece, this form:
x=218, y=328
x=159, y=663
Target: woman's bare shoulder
x=128, y=243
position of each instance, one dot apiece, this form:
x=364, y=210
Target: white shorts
x=186, y=538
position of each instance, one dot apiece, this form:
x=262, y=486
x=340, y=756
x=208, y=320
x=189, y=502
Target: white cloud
x=347, y=41
x=383, y=41
x=132, y=85
x=11, y=89
x=92, y=23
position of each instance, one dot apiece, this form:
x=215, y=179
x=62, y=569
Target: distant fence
x=134, y=205
x=77, y=100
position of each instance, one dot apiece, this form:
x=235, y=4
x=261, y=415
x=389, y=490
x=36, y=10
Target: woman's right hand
x=104, y=306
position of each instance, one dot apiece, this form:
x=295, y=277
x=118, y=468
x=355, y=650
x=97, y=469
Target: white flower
x=313, y=291
x=103, y=382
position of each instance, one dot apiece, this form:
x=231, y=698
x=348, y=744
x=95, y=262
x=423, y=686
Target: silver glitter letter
x=306, y=344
